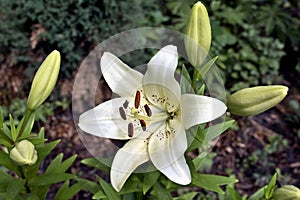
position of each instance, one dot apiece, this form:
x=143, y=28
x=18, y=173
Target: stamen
x=148, y=110
x=125, y=104
x=143, y=124
x=130, y=129
x=122, y=113
x=137, y=99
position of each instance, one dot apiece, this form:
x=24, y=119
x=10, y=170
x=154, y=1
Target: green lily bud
x=255, y=100
x=198, y=31
x=24, y=153
x=44, y=80
x=287, y=192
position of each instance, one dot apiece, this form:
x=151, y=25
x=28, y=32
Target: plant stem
x=27, y=116
x=22, y=174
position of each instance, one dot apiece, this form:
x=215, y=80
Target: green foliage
x=249, y=37
x=265, y=193
x=72, y=27
x=18, y=108
x=30, y=184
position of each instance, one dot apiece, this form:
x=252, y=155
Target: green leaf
x=5, y=140
x=66, y=164
x=32, y=196
x=108, y=189
x=99, y=195
x=128, y=196
x=54, y=163
x=7, y=162
x=15, y=187
x=41, y=134
x=185, y=81
x=270, y=187
x=44, y=149
x=36, y=141
x=65, y=192
x=201, y=90
x=88, y=185
x=233, y=194
x=203, y=70
x=161, y=192
x=149, y=180
x=258, y=194
x=204, y=136
x=57, y=166
x=4, y=181
x=93, y=162
x=6, y=130
x=187, y=196
x=49, y=179
x=1, y=119
x=212, y=182
x=216, y=130
x=133, y=184
x=13, y=131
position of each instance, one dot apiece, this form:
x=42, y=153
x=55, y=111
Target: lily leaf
x=161, y=192
x=49, y=179
x=270, y=187
x=65, y=192
x=108, y=189
x=149, y=180
x=94, y=162
x=212, y=182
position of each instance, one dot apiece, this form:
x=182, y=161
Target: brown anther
x=122, y=113
x=125, y=104
x=137, y=99
x=143, y=124
x=130, y=129
x=148, y=110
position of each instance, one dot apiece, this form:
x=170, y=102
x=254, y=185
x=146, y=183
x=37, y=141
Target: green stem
x=22, y=174
x=28, y=115
x=195, y=78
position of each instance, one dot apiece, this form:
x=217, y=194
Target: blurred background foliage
x=32, y=27
x=252, y=38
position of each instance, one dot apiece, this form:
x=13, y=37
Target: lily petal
x=121, y=79
x=166, y=150
x=105, y=121
x=159, y=81
x=127, y=159
x=197, y=109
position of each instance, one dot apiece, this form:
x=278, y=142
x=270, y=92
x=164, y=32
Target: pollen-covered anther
x=143, y=124
x=122, y=113
x=137, y=99
x=148, y=110
x=130, y=129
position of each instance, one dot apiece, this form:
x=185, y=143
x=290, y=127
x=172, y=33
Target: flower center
x=141, y=113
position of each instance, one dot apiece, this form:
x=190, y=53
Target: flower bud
x=24, y=153
x=198, y=31
x=255, y=100
x=287, y=192
x=44, y=80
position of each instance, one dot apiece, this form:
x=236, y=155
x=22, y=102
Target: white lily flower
x=151, y=113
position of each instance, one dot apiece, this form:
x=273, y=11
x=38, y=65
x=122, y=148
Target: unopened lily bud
x=198, y=31
x=24, y=153
x=44, y=80
x=255, y=100
x=287, y=192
